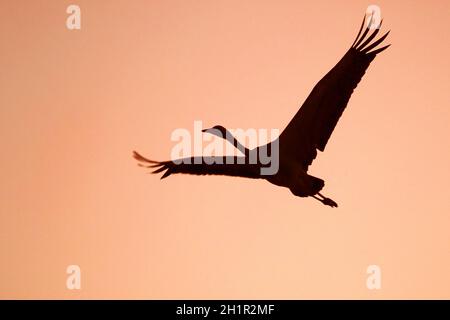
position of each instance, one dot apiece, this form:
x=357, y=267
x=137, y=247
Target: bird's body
x=307, y=132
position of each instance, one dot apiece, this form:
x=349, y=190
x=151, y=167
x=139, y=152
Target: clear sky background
x=74, y=104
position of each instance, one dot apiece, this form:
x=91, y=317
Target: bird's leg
x=325, y=200
x=317, y=198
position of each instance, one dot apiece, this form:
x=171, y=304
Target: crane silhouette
x=307, y=132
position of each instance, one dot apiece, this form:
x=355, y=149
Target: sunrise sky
x=75, y=103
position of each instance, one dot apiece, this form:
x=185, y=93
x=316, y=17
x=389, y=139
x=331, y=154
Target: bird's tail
x=317, y=184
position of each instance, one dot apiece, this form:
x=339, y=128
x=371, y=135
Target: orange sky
x=74, y=104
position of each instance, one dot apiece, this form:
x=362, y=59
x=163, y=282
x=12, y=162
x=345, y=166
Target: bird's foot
x=329, y=202
x=326, y=201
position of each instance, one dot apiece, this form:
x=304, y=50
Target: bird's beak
x=205, y=130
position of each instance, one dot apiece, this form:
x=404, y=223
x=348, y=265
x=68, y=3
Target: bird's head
x=218, y=130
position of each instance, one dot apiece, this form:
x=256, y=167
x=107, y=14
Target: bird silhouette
x=307, y=132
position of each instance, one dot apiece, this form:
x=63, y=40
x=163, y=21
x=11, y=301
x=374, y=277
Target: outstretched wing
x=313, y=124
x=226, y=165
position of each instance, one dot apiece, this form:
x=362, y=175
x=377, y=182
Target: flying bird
x=307, y=132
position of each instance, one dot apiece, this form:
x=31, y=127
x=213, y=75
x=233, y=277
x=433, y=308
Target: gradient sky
x=74, y=104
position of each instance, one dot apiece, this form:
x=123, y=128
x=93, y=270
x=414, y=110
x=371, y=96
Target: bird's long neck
x=231, y=139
